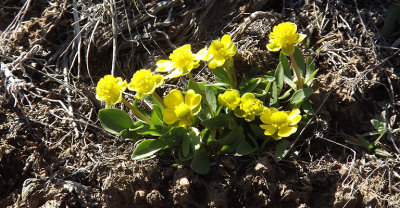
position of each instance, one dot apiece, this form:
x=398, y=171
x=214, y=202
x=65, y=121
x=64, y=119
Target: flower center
x=230, y=97
x=279, y=118
x=182, y=111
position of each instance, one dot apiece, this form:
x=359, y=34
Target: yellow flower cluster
x=182, y=61
x=249, y=107
x=283, y=37
x=220, y=53
x=280, y=124
x=110, y=89
x=230, y=99
x=144, y=83
x=181, y=108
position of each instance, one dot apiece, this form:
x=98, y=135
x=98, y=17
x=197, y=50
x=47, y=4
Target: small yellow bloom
x=280, y=124
x=284, y=36
x=180, y=108
x=220, y=53
x=144, y=83
x=181, y=62
x=230, y=99
x=110, y=89
x=249, y=107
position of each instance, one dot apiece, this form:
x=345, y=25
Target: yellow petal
x=173, y=99
x=247, y=96
x=174, y=74
x=159, y=79
x=273, y=46
x=294, y=117
x=250, y=118
x=288, y=50
x=301, y=38
x=186, y=122
x=140, y=95
x=221, y=100
x=192, y=99
x=169, y=116
x=216, y=61
x=164, y=66
x=231, y=51
x=202, y=54
x=226, y=40
x=287, y=131
x=266, y=116
x=269, y=129
x=196, y=110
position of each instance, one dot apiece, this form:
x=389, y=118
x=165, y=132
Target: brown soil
x=53, y=152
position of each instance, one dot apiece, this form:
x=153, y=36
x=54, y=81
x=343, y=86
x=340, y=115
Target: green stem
x=201, y=93
x=159, y=99
x=297, y=71
x=136, y=112
x=232, y=76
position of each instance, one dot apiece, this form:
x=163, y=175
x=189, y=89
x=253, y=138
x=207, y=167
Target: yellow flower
x=284, y=36
x=181, y=62
x=280, y=124
x=179, y=108
x=230, y=99
x=249, y=107
x=144, y=83
x=110, y=89
x=220, y=53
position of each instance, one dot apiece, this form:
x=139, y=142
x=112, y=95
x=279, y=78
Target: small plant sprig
x=384, y=128
x=213, y=118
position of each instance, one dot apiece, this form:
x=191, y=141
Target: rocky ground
x=54, y=153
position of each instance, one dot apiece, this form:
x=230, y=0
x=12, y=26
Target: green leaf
x=114, y=120
x=217, y=121
x=156, y=116
x=201, y=86
x=185, y=146
x=210, y=96
x=285, y=64
x=174, y=135
x=360, y=141
x=382, y=153
x=200, y=163
x=151, y=130
x=130, y=135
x=221, y=75
x=225, y=148
x=375, y=123
x=300, y=95
x=310, y=68
x=311, y=78
x=245, y=148
x=259, y=132
x=195, y=138
x=156, y=101
x=274, y=95
x=286, y=94
x=282, y=149
x=391, y=20
x=204, y=113
x=232, y=136
x=299, y=59
x=308, y=107
x=279, y=76
x=249, y=85
x=148, y=148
